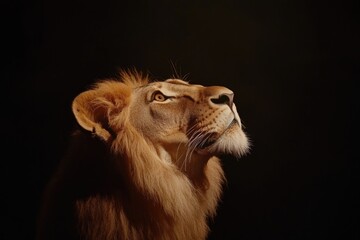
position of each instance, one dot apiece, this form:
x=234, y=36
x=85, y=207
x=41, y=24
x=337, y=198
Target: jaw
x=232, y=141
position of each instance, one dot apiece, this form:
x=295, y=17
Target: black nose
x=225, y=98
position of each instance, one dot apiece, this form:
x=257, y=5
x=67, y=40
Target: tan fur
x=144, y=165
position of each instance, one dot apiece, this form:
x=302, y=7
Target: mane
x=133, y=78
x=159, y=181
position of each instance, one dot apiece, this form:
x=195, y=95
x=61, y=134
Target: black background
x=292, y=66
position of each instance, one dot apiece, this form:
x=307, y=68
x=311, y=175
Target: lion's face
x=185, y=117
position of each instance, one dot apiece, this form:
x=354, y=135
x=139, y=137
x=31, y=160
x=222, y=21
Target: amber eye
x=158, y=96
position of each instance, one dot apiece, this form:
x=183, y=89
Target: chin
x=233, y=142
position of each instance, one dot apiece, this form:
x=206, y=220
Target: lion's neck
x=191, y=164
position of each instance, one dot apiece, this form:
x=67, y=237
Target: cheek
x=169, y=117
x=161, y=113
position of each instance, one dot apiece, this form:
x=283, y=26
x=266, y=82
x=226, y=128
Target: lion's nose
x=219, y=95
x=225, y=98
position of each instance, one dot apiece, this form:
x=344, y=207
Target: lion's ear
x=94, y=108
x=91, y=116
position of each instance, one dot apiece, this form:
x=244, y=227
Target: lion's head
x=179, y=119
x=152, y=170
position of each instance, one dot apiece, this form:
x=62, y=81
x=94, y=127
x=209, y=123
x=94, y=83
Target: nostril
x=223, y=99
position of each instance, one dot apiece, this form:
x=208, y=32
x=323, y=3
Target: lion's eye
x=158, y=96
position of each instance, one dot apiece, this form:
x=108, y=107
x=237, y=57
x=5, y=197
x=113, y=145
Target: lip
x=231, y=125
x=212, y=142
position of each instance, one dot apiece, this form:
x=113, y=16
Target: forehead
x=171, y=85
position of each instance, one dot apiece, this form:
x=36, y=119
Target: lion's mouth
x=211, y=138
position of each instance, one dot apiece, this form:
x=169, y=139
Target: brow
x=177, y=81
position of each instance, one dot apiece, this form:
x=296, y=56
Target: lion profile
x=144, y=163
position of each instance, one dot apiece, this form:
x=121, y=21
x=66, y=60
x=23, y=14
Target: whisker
x=177, y=153
x=191, y=130
x=195, y=140
x=197, y=143
x=189, y=146
x=194, y=137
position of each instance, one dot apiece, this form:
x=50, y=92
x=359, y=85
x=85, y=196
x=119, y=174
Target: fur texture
x=143, y=164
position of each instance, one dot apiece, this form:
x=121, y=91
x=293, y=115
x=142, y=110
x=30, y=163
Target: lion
x=145, y=161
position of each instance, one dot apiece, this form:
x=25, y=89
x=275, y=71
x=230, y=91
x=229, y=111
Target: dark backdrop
x=291, y=64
